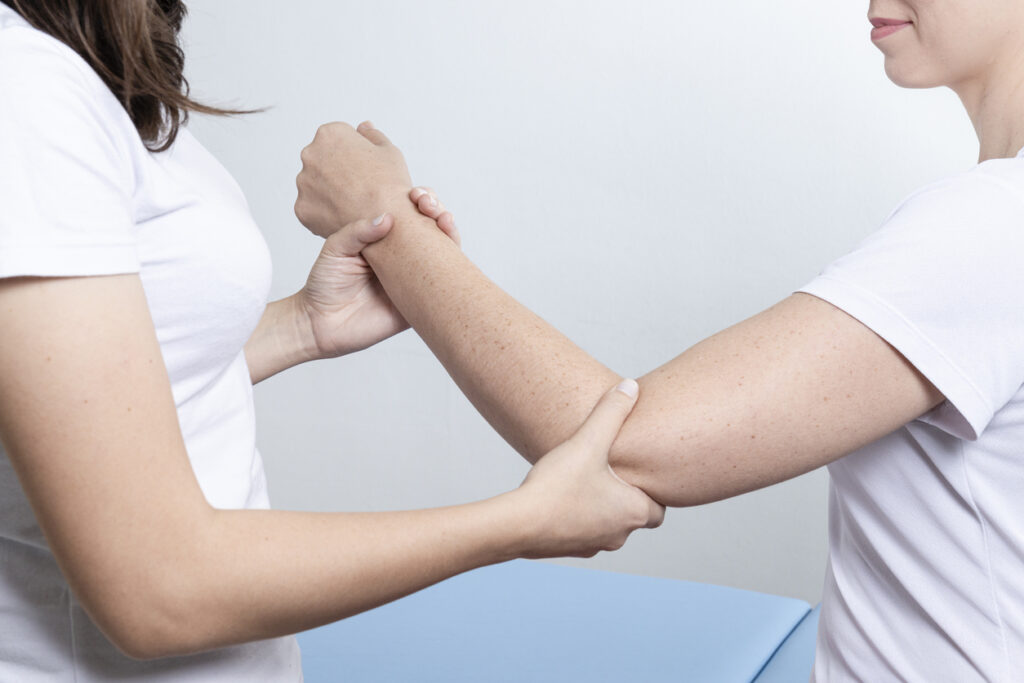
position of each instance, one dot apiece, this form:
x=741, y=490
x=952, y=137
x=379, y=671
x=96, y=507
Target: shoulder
x=56, y=113
x=941, y=282
x=49, y=91
x=990, y=191
x=30, y=58
x=977, y=211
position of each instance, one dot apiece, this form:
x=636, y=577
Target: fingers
x=605, y=420
x=427, y=202
x=430, y=206
x=354, y=237
x=447, y=224
x=655, y=510
x=367, y=130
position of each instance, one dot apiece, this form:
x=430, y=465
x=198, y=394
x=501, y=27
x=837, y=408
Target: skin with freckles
x=782, y=382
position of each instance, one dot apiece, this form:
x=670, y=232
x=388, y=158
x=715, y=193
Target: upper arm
x=87, y=416
x=925, y=311
x=782, y=393
x=89, y=424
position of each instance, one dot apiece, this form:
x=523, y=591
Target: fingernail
x=433, y=201
x=368, y=124
x=629, y=387
x=418, y=192
x=379, y=219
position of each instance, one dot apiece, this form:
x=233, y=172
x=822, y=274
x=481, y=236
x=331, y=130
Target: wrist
x=518, y=520
x=282, y=339
x=293, y=330
x=408, y=222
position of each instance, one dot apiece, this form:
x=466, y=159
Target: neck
x=995, y=104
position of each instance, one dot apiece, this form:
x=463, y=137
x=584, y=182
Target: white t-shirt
x=80, y=195
x=926, y=525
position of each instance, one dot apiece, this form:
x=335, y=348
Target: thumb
x=605, y=420
x=354, y=237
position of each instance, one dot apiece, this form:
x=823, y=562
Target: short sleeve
x=66, y=177
x=942, y=282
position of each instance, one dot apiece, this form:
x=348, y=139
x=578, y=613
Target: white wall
x=641, y=174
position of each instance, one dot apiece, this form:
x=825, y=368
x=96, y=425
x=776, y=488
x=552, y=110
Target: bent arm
x=88, y=421
x=780, y=394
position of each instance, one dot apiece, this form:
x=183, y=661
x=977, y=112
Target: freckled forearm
x=535, y=386
x=532, y=384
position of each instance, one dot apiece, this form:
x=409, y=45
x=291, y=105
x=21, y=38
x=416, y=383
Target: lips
x=886, y=27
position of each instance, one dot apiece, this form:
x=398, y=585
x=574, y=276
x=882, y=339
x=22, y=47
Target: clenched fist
x=349, y=174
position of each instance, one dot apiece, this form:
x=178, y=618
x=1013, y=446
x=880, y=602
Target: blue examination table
x=533, y=622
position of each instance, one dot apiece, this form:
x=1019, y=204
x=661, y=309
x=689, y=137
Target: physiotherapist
x=136, y=543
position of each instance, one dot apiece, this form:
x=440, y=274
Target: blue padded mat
x=795, y=658
x=526, y=622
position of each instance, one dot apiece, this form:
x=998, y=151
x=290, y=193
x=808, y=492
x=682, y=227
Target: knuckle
x=332, y=128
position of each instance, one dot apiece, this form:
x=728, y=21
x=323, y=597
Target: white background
x=640, y=174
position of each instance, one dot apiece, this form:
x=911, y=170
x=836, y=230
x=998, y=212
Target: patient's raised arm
x=789, y=390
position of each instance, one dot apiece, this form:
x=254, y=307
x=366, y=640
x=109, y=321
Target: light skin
x=93, y=436
x=340, y=310
x=787, y=391
x=974, y=48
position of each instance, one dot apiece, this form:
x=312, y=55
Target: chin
x=911, y=76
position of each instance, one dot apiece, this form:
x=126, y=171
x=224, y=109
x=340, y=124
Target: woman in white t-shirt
x=900, y=367
x=135, y=543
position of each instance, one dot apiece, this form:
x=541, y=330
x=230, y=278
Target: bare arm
x=89, y=423
x=780, y=394
x=341, y=309
x=281, y=340
x=787, y=391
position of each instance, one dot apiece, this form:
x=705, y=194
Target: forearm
x=533, y=385
x=261, y=574
x=281, y=340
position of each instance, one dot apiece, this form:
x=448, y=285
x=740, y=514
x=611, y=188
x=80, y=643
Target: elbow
x=667, y=485
x=142, y=648
x=673, y=478
x=152, y=611
x=144, y=629
x=669, y=493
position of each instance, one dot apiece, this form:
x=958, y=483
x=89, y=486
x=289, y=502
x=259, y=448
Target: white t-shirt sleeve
x=943, y=282
x=66, y=179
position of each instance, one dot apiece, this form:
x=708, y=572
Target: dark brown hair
x=133, y=46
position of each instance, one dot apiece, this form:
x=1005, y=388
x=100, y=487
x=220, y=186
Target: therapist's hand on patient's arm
x=96, y=443
x=580, y=505
x=348, y=176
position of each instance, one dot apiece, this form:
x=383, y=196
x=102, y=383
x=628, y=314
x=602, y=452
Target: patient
x=899, y=367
